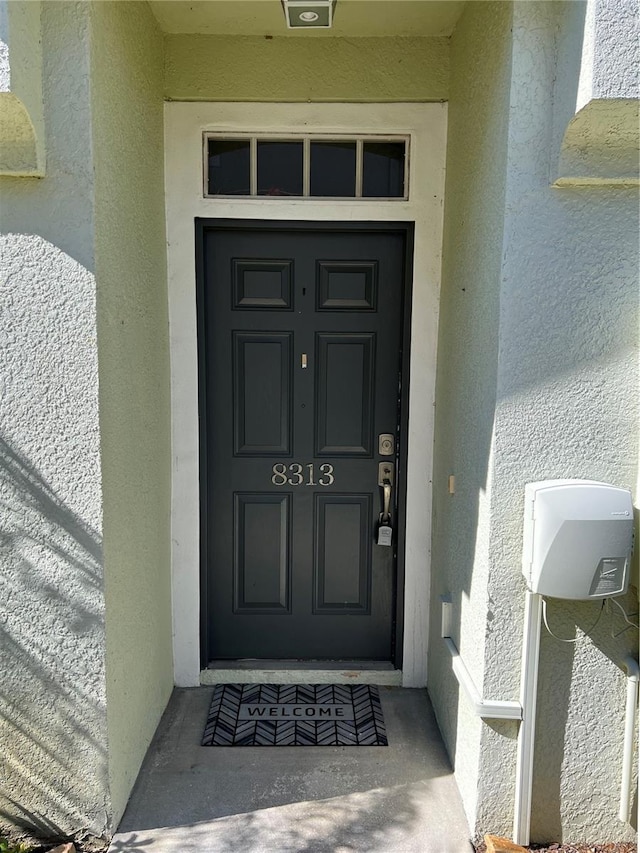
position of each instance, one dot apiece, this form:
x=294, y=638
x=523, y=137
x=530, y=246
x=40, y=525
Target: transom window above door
x=336, y=167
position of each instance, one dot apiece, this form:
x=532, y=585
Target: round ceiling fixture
x=309, y=17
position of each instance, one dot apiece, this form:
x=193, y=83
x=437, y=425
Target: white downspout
x=527, y=732
x=633, y=678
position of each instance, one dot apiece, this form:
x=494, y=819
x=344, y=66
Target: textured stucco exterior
x=567, y=406
x=130, y=253
x=559, y=359
x=53, y=732
x=611, y=30
x=246, y=68
x=467, y=363
x=84, y=430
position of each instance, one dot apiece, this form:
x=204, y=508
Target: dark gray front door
x=300, y=358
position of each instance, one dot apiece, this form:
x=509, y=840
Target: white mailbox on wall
x=578, y=537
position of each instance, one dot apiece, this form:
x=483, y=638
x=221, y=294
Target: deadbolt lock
x=386, y=444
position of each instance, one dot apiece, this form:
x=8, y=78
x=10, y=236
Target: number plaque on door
x=298, y=474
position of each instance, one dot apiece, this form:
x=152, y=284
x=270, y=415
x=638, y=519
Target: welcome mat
x=295, y=715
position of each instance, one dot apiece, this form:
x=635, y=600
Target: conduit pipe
x=488, y=709
x=633, y=679
x=527, y=733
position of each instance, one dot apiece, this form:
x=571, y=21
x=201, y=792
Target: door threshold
x=253, y=671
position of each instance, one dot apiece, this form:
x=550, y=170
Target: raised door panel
x=262, y=553
x=262, y=285
x=342, y=564
x=262, y=393
x=344, y=394
x=347, y=285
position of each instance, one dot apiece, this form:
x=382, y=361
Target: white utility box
x=578, y=536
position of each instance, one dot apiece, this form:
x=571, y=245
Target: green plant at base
x=7, y=847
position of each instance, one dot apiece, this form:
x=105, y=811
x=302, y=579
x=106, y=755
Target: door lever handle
x=385, y=480
x=386, y=503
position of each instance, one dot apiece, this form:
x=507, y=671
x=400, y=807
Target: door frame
x=185, y=123
x=406, y=229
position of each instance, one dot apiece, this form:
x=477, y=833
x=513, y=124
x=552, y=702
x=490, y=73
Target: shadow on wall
x=52, y=705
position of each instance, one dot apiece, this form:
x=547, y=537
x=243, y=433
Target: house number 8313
x=301, y=475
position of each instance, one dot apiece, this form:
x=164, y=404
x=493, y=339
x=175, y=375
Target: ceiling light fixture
x=315, y=14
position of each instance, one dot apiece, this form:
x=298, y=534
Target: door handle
x=385, y=480
x=386, y=515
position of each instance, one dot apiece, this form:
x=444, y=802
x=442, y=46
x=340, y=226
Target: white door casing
x=185, y=124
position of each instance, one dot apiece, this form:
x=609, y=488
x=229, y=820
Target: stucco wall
x=53, y=732
x=563, y=325
x=615, y=72
x=247, y=68
x=567, y=407
x=467, y=364
x=130, y=249
x=84, y=430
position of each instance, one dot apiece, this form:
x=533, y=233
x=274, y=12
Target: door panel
x=347, y=286
x=264, y=284
x=262, y=561
x=300, y=334
x=344, y=394
x=262, y=393
x=342, y=554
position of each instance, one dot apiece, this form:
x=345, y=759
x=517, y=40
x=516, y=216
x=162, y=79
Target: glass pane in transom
x=229, y=167
x=280, y=167
x=383, y=169
x=333, y=169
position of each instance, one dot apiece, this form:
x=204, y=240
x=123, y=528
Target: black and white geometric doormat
x=295, y=715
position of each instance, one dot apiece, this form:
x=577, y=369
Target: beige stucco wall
x=568, y=387
x=130, y=251
x=53, y=731
x=540, y=315
x=467, y=364
x=251, y=68
x=84, y=430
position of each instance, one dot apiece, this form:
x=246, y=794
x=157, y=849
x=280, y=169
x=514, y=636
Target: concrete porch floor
x=396, y=799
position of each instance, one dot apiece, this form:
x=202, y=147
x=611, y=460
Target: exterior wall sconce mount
x=317, y=14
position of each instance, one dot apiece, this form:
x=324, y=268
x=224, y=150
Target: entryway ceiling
x=265, y=17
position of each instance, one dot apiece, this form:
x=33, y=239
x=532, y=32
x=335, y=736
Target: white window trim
x=185, y=123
